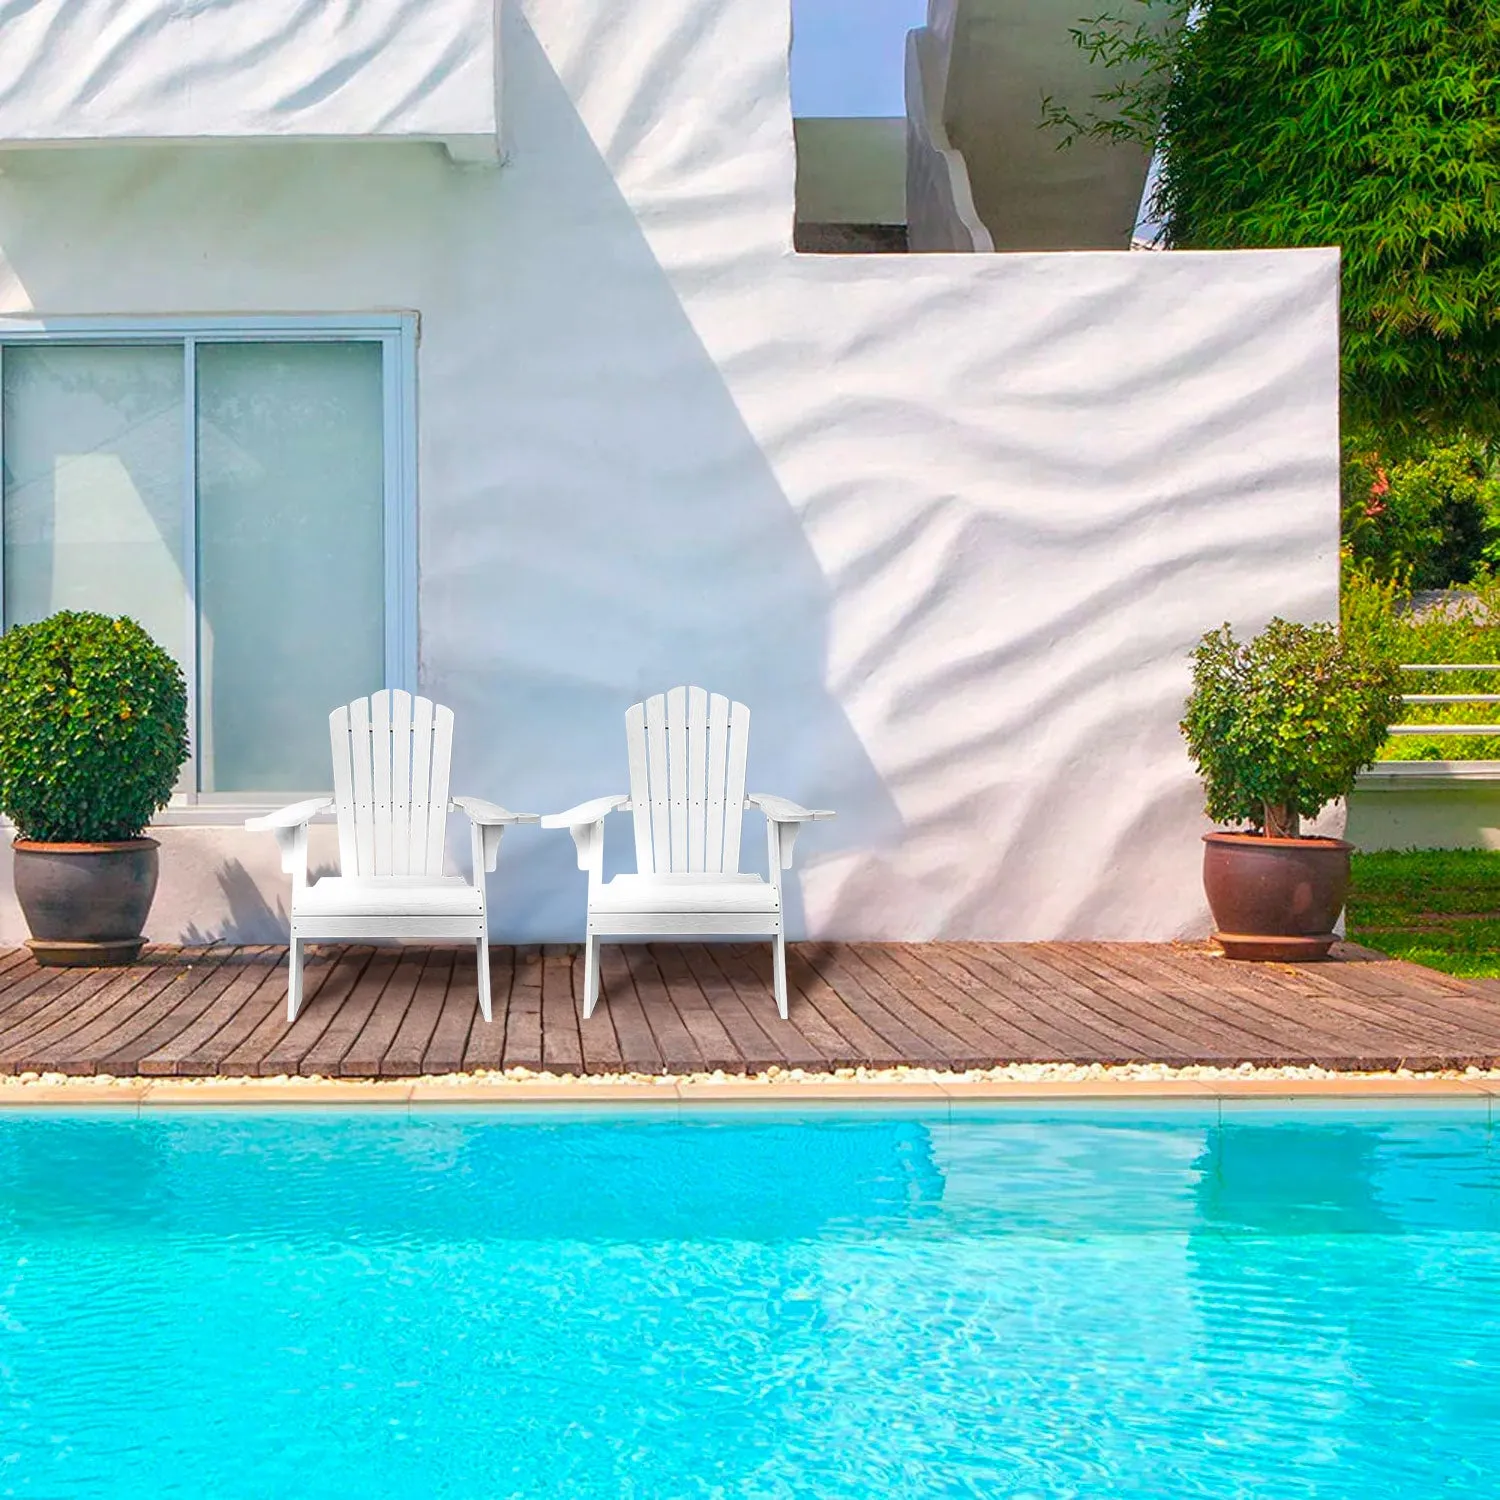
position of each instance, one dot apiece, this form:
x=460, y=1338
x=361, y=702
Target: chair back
x=687, y=781
x=391, y=754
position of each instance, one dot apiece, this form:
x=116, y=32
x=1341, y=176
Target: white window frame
x=397, y=334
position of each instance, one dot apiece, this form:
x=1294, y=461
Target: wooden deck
x=672, y=1008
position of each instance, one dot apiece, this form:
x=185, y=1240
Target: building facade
x=412, y=343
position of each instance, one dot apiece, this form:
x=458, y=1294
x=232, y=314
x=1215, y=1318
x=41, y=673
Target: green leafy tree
x=1373, y=125
x=93, y=728
x=1428, y=520
x=1282, y=724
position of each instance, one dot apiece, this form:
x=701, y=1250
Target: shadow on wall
x=633, y=538
x=597, y=521
x=250, y=917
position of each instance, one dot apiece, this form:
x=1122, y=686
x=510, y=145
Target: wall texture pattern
x=80, y=70
x=948, y=524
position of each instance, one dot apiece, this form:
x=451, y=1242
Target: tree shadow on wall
x=251, y=918
x=597, y=521
x=634, y=536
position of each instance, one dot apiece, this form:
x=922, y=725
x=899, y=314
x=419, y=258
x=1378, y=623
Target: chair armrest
x=490, y=814
x=586, y=813
x=294, y=816
x=487, y=822
x=779, y=810
x=586, y=823
x=289, y=824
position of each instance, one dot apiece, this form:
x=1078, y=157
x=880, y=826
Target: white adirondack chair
x=391, y=754
x=687, y=755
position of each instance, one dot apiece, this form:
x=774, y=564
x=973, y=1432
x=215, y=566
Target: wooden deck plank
x=274, y=1047
x=1330, y=1032
x=288, y=1047
x=192, y=1050
x=1018, y=1034
x=747, y=1010
x=638, y=1048
x=14, y=964
x=891, y=983
x=602, y=1052
x=1156, y=1022
x=324, y=1055
x=1063, y=1031
x=363, y=1055
x=485, y=1049
x=56, y=992
x=523, y=1019
x=92, y=1048
x=172, y=1021
x=811, y=996
x=403, y=1057
x=710, y=1035
x=1266, y=1034
x=460, y=1012
x=245, y=1038
x=562, y=1052
x=1100, y=1036
x=125, y=990
x=813, y=1040
x=679, y=1052
x=669, y=1007
x=1146, y=994
x=17, y=979
x=1472, y=1005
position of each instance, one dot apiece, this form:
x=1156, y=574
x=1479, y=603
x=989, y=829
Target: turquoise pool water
x=1081, y=1303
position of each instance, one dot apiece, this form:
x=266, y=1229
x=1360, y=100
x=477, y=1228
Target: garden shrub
x=93, y=728
x=1431, y=519
x=1373, y=125
x=1280, y=725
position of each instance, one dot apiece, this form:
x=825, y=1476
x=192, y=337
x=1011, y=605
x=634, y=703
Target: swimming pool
x=1080, y=1302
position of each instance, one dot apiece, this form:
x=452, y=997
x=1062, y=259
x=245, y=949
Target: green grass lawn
x=1439, y=907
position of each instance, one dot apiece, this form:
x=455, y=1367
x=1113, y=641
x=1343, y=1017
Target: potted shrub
x=1278, y=727
x=93, y=730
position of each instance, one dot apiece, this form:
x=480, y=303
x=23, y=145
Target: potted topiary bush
x=1278, y=727
x=93, y=730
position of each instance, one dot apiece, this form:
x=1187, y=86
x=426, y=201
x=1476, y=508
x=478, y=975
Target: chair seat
x=686, y=893
x=389, y=896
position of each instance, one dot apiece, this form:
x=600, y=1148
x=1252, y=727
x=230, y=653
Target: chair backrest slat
x=382, y=732
x=403, y=788
x=391, y=755
x=677, y=777
x=697, y=775
x=687, y=755
x=343, y=786
x=363, y=811
x=656, y=792
x=421, y=786
x=640, y=783
x=716, y=771
x=437, y=808
x=734, y=783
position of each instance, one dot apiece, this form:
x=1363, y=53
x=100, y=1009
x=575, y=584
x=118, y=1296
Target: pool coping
x=644, y=1092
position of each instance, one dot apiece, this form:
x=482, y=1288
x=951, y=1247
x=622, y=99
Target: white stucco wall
x=73, y=71
x=949, y=525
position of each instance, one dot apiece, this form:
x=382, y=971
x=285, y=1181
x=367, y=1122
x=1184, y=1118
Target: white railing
x=1449, y=729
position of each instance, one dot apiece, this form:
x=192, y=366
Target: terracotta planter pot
x=1275, y=899
x=86, y=904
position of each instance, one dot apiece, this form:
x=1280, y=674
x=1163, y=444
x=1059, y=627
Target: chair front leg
x=294, y=979
x=482, y=959
x=590, y=975
x=778, y=972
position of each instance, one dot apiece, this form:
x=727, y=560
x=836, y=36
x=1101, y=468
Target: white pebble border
x=1012, y=1073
